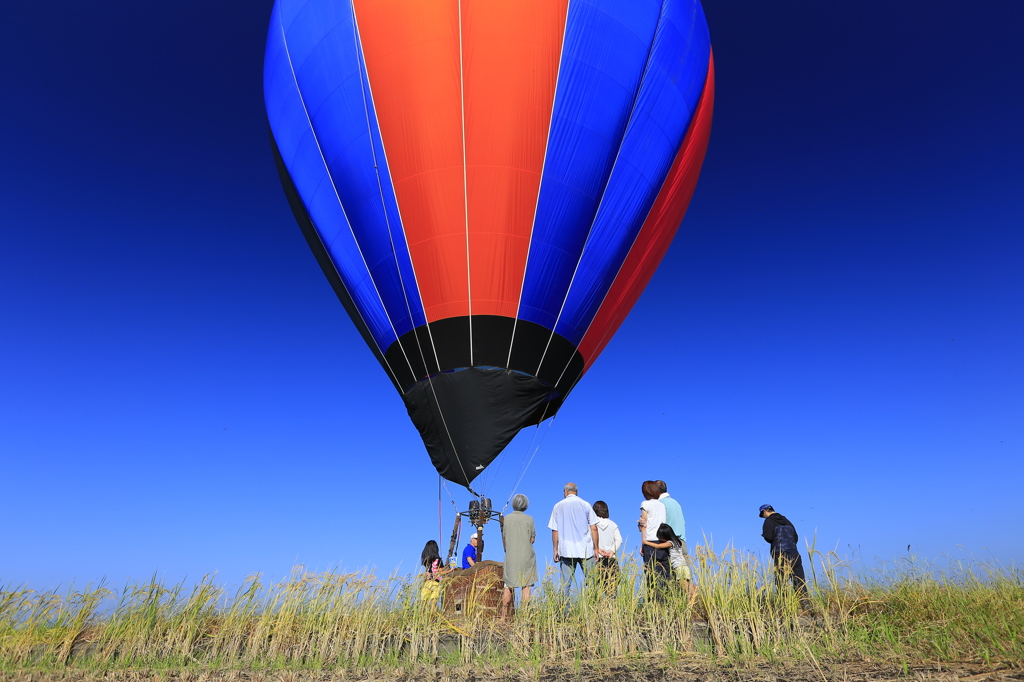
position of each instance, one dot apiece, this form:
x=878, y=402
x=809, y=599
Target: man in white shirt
x=574, y=538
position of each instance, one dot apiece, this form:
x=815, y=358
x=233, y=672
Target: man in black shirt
x=782, y=536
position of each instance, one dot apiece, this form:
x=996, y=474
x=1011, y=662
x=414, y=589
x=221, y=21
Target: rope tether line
x=380, y=188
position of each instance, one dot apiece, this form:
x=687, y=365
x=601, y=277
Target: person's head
x=570, y=489
x=765, y=510
x=520, y=502
x=429, y=553
x=474, y=540
x=662, y=486
x=650, y=490
x=601, y=509
x=666, y=534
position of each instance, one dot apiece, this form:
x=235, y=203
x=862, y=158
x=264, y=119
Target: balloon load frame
x=478, y=514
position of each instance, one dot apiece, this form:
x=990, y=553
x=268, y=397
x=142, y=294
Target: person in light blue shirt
x=674, y=518
x=673, y=512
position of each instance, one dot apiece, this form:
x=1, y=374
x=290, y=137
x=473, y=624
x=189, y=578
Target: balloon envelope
x=488, y=185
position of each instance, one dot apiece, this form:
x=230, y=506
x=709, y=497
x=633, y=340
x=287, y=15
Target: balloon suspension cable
x=491, y=474
x=527, y=462
x=525, y=456
x=451, y=497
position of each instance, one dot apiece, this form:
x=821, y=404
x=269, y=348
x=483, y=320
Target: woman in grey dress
x=518, y=534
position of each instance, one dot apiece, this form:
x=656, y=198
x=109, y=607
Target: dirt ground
x=680, y=672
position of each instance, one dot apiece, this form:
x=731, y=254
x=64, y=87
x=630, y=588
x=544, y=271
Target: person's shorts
x=430, y=591
x=683, y=572
x=509, y=587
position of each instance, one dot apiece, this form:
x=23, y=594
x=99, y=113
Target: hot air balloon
x=488, y=186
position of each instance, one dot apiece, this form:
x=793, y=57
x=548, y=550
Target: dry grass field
x=908, y=622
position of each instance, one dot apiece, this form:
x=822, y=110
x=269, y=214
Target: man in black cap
x=782, y=536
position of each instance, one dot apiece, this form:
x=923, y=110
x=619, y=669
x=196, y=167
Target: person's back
x=574, y=538
x=609, y=539
x=653, y=512
x=518, y=532
x=782, y=537
x=781, y=534
x=435, y=568
x=429, y=555
x=572, y=518
x=520, y=558
x=674, y=515
x=676, y=559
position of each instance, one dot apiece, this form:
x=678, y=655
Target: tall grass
x=357, y=621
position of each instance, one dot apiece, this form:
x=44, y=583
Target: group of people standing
x=663, y=530
x=583, y=536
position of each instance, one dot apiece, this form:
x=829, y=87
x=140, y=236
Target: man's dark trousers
x=790, y=564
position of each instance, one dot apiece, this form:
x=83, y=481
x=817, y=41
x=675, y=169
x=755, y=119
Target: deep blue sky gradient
x=837, y=329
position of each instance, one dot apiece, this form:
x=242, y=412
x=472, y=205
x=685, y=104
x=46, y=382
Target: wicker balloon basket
x=474, y=591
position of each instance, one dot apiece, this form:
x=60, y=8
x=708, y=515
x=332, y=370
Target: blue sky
x=837, y=329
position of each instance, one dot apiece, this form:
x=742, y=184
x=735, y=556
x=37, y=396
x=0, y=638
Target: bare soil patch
x=856, y=671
